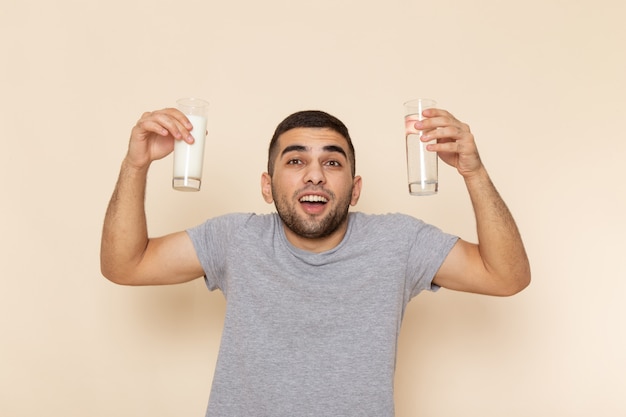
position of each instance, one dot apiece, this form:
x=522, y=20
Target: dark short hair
x=309, y=119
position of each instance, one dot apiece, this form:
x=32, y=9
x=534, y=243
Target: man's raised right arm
x=127, y=254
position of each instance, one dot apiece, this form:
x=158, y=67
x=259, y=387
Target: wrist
x=132, y=169
x=477, y=177
x=135, y=166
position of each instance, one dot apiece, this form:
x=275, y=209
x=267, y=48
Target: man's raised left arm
x=497, y=264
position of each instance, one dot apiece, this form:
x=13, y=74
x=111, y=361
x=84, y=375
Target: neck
x=317, y=244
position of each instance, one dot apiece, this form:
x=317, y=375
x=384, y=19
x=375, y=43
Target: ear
x=266, y=188
x=356, y=190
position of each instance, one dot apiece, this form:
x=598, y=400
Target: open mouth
x=313, y=204
x=313, y=199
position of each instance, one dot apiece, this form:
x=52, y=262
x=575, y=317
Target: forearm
x=124, y=234
x=499, y=241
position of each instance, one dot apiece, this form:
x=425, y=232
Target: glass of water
x=421, y=164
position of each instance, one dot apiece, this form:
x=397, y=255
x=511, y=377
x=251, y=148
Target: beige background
x=541, y=83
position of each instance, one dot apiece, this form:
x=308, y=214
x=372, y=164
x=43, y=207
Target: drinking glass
x=188, y=158
x=421, y=164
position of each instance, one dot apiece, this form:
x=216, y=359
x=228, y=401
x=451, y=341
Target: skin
x=311, y=163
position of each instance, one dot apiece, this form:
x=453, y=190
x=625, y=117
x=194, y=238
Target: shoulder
x=228, y=224
x=389, y=226
x=397, y=226
x=385, y=221
x=239, y=219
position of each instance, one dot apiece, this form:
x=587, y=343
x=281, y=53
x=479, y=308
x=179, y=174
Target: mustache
x=314, y=189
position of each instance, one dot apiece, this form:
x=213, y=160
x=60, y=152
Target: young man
x=315, y=293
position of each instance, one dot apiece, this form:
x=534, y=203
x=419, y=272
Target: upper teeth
x=313, y=199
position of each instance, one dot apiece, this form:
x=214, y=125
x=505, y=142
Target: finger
x=167, y=121
x=182, y=124
x=153, y=122
x=452, y=132
x=438, y=118
x=449, y=146
x=435, y=112
x=179, y=116
x=444, y=146
x=173, y=125
x=432, y=123
x=147, y=125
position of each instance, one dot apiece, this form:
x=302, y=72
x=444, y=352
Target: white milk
x=188, y=158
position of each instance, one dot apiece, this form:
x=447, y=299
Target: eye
x=334, y=163
x=294, y=161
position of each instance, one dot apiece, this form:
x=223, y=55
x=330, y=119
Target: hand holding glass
x=188, y=158
x=421, y=163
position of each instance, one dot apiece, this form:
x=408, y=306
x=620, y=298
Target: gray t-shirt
x=310, y=334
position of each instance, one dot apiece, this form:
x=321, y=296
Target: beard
x=312, y=226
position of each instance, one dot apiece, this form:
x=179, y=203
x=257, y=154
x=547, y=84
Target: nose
x=315, y=174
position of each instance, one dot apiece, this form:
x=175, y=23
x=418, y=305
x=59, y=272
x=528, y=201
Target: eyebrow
x=302, y=148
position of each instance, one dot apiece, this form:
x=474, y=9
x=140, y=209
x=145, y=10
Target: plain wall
x=540, y=82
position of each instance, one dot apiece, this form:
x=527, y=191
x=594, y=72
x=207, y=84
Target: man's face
x=312, y=185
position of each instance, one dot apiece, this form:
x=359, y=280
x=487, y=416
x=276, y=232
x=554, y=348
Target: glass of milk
x=188, y=158
x=421, y=163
